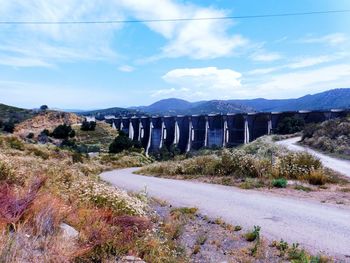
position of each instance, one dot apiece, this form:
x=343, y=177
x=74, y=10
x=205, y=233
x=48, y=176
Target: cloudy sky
x=87, y=66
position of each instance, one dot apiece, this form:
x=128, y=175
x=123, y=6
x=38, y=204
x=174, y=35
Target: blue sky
x=100, y=66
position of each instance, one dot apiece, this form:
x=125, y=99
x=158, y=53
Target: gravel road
x=316, y=226
x=341, y=166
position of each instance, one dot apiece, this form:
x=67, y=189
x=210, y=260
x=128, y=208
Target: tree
x=290, y=125
x=44, y=107
x=63, y=132
x=88, y=126
x=122, y=142
x=9, y=127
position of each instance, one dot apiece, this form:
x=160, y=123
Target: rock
x=130, y=259
x=68, y=231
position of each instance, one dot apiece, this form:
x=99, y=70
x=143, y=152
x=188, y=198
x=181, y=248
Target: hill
x=331, y=99
x=46, y=120
x=175, y=106
x=14, y=114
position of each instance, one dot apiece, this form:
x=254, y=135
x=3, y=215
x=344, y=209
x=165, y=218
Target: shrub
x=253, y=235
x=279, y=183
x=63, y=132
x=6, y=173
x=30, y=135
x=298, y=165
x=88, y=126
x=9, y=127
x=290, y=125
x=15, y=143
x=317, y=177
x=121, y=143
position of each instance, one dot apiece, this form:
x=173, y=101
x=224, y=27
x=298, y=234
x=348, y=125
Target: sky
x=90, y=66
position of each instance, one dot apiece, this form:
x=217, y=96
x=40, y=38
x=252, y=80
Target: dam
x=214, y=130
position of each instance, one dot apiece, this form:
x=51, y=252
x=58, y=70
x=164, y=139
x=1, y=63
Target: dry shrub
x=298, y=165
x=45, y=215
x=12, y=207
x=317, y=177
x=6, y=173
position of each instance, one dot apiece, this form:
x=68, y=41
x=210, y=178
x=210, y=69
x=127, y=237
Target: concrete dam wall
x=216, y=130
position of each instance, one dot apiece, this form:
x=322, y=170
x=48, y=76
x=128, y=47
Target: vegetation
x=332, y=136
x=259, y=163
x=122, y=142
x=97, y=140
x=9, y=116
x=279, y=183
x=88, y=126
x=42, y=189
x=290, y=125
x=63, y=131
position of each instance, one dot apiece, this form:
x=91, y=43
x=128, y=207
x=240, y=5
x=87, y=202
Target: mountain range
x=331, y=99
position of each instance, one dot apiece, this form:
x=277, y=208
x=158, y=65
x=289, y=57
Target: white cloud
x=310, y=61
x=126, y=68
x=196, y=39
x=42, y=45
x=296, y=83
x=266, y=56
x=201, y=83
x=331, y=39
x=52, y=44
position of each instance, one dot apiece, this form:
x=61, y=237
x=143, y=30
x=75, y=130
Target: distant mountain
x=331, y=99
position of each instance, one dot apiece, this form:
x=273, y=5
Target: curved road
x=316, y=226
x=341, y=166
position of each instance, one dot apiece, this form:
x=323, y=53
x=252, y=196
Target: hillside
x=46, y=120
x=14, y=114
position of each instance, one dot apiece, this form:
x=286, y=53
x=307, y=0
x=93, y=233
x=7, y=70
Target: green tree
x=122, y=142
x=63, y=132
x=290, y=125
x=9, y=127
x=88, y=126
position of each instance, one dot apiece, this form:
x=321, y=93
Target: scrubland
x=332, y=137
x=44, y=189
x=260, y=165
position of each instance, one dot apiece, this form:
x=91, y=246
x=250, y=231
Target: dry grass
x=109, y=222
x=256, y=164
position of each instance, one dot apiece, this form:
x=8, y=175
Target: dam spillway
x=194, y=132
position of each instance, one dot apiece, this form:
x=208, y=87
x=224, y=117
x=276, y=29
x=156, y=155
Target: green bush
x=63, y=132
x=123, y=142
x=253, y=235
x=279, y=183
x=88, y=126
x=9, y=127
x=290, y=125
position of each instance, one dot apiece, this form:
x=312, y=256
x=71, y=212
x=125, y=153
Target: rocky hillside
x=46, y=120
